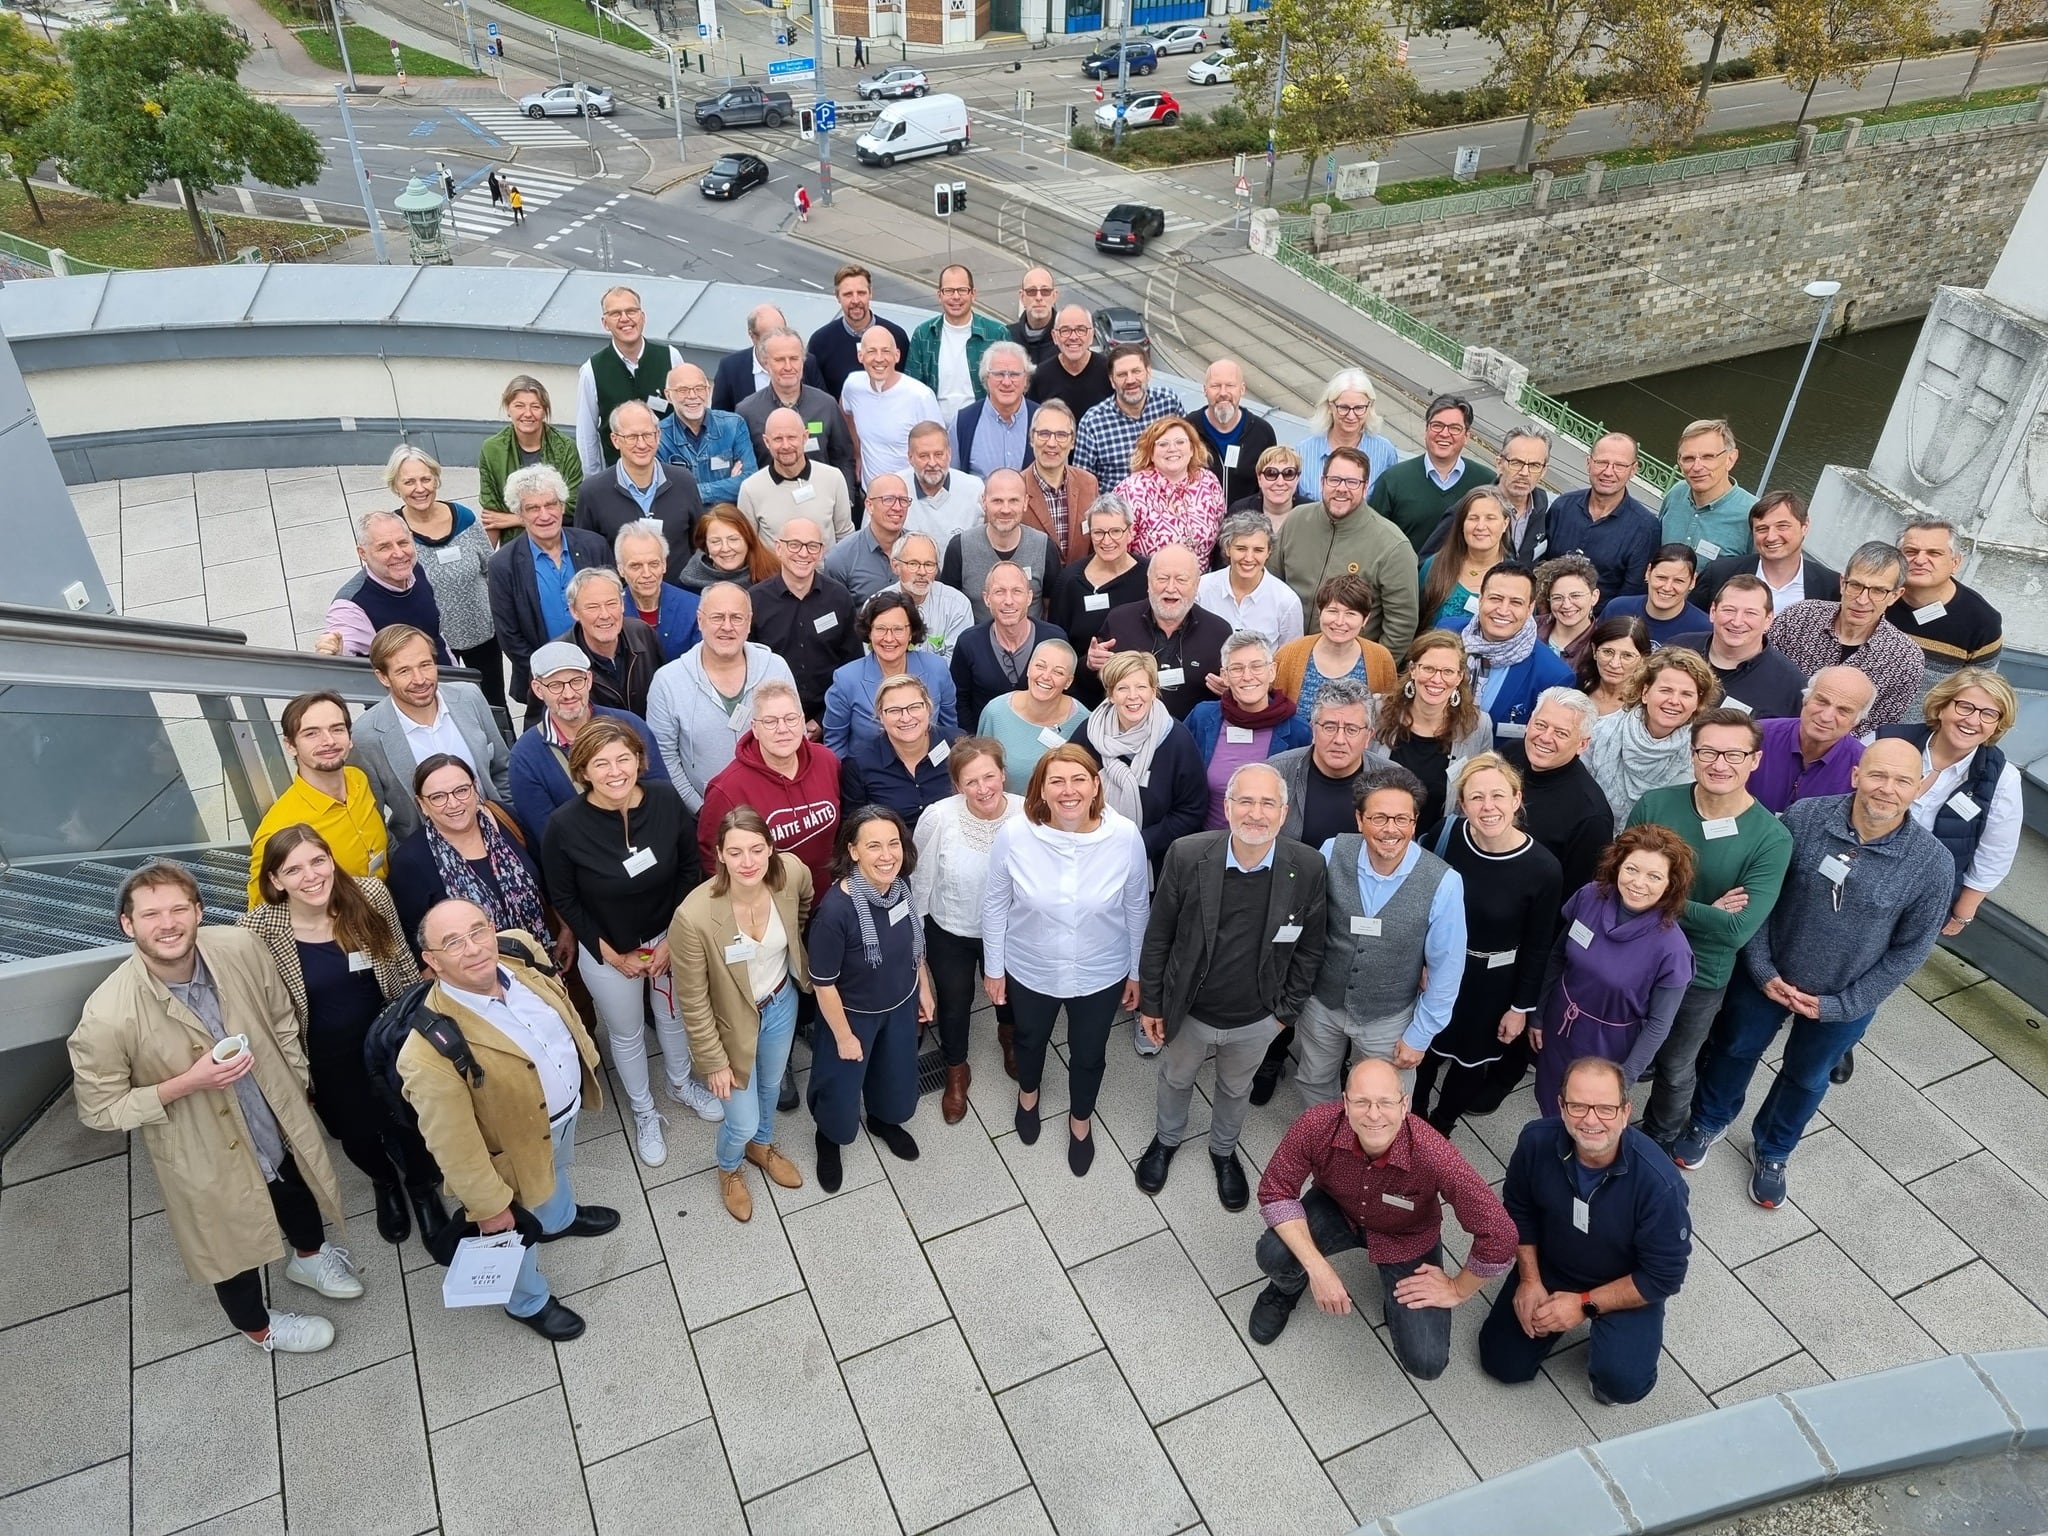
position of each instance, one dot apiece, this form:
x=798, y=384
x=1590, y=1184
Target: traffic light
x=806, y=124
x=942, y=200
x=959, y=197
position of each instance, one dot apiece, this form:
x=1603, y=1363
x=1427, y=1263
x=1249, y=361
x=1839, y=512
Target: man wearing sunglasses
x=1416, y=493
x=1602, y=1235
x=1038, y=300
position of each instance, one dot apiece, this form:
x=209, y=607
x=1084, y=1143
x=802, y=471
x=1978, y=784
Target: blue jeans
x=530, y=1290
x=1621, y=1360
x=1741, y=1034
x=750, y=1112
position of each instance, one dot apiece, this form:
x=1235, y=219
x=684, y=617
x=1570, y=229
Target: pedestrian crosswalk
x=476, y=217
x=511, y=126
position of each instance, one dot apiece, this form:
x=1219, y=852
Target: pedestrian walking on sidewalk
x=803, y=205
x=860, y=53
x=518, y=203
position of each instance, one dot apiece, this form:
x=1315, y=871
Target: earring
x=1457, y=697
x=1408, y=689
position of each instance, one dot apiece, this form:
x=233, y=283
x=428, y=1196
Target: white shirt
x=947, y=616
x=956, y=382
x=2000, y=839
x=589, y=430
x=443, y=735
x=952, y=863
x=1065, y=912
x=1794, y=591
x=883, y=421
x=1273, y=609
x=955, y=509
x=768, y=966
x=530, y=1024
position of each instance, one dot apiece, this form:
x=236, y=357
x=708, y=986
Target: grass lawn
x=575, y=16
x=132, y=234
x=370, y=52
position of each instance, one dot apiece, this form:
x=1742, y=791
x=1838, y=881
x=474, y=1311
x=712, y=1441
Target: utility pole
x=355, y=155
x=675, y=88
x=341, y=42
x=1279, y=90
x=469, y=37
x=1123, y=70
x=561, y=76
x=818, y=94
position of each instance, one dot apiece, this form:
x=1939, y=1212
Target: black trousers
x=298, y=1216
x=490, y=663
x=353, y=1113
x=1089, y=1020
x=956, y=986
x=1459, y=1090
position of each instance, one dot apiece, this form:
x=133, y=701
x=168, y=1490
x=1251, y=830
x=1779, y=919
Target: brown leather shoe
x=954, y=1104
x=733, y=1186
x=780, y=1170
x=1006, y=1037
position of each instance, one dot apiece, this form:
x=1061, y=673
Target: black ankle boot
x=394, y=1222
x=830, y=1171
x=428, y=1210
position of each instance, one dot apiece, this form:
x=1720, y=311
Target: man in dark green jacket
x=1416, y=493
x=945, y=351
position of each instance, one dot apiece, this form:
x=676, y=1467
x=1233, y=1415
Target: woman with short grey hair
x=1252, y=721
x=1241, y=590
x=455, y=550
x=1030, y=721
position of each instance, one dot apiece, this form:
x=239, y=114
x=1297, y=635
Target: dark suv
x=1127, y=226
x=1102, y=63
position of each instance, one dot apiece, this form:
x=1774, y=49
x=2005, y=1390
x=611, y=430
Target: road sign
x=1244, y=187
x=490, y=29
x=787, y=71
x=703, y=30
x=1098, y=91
x=1401, y=51
x=826, y=114
x=1466, y=166
x=395, y=54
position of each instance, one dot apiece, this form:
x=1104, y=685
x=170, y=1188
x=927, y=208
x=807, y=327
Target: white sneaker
x=331, y=1272
x=698, y=1099
x=296, y=1334
x=647, y=1133
x=1146, y=1045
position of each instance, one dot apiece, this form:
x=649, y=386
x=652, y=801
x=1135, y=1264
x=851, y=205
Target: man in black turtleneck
x=1562, y=803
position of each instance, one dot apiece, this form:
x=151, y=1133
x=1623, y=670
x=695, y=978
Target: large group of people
x=891, y=673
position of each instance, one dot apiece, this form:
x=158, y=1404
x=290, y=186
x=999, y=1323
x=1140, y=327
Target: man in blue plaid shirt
x=1108, y=433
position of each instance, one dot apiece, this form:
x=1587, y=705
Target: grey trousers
x=1238, y=1054
x=1326, y=1038
x=1678, y=1062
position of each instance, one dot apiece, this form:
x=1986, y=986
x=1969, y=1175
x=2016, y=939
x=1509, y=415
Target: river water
x=1842, y=408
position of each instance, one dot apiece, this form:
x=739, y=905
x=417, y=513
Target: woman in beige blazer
x=736, y=950
x=336, y=944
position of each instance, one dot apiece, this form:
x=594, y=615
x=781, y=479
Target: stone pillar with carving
x=1967, y=438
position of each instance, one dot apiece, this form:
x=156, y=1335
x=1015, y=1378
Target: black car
x=730, y=175
x=1102, y=63
x=1116, y=326
x=1126, y=228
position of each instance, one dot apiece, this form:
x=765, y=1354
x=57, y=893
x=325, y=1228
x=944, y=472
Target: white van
x=907, y=129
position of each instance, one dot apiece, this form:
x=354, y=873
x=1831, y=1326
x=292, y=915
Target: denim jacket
x=718, y=458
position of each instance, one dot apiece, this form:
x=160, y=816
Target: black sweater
x=1566, y=811
x=583, y=856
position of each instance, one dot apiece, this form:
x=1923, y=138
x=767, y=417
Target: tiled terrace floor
x=974, y=1342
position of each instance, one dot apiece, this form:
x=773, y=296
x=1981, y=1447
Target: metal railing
x=1371, y=305
x=1950, y=122
x=39, y=256
x=1653, y=173
x=1585, y=431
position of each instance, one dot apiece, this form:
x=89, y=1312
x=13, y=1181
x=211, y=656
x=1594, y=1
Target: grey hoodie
x=696, y=734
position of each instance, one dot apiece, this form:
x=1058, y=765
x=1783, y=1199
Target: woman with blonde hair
x=1647, y=743
x=1347, y=416
x=1174, y=497
x=1279, y=476
x=1432, y=722
x=454, y=554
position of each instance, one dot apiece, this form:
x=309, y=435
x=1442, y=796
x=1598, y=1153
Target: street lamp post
x=341, y=42
x=675, y=83
x=1825, y=291
x=422, y=206
x=355, y=154
x=556, y=38
x=469, y=36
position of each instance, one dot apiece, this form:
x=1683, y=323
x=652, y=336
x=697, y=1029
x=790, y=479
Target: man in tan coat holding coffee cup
x=193, y=1041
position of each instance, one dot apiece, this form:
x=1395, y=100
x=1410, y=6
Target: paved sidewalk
x=975, y=1337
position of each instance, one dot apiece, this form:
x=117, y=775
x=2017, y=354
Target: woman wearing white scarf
x=1647, y=743
x=1151, y=768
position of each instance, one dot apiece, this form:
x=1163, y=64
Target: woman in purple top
x=1620, y=967
x=1252, y=721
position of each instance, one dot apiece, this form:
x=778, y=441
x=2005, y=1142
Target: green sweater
x=498, y=456
x=1755, y=858
x=1410, y=500
x=1312, y=545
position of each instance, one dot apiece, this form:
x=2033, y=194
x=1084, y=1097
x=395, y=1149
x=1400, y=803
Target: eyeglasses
x=620, y=314
x=955, y=292
x=1070, y=330
x=634, y=437
x=441, y=799
x=1038, y=293
x=1533, y=466
x=1701, y=458
x=889, y=632
x=689, y=389
x=1256, y=803
x=1384, y=1106
x=888, y=501
x=904, y=563
x=804, y=546
x=1445, y=428
x=1277, y=472
x=572, y=682
x=1052, y=434
x=1245, y=669
x=1381, y=821
x=1990, y=714
x=1734, y=757
x=1864, y=589
x=481, y=937
x=1342, y=729
x=1606, y=1114
x=904, y=711
x=1006, y=373
x=1342, y=409
x=1436, y=674
x=1343, y=483
x=779, y=722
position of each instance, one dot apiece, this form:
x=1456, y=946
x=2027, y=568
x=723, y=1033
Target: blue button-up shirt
x=719, y=457
x=644, y=499
x=1443, y=946
x=1230, y=858
x=553, y=581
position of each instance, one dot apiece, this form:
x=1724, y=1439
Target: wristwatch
x=1588, y=1305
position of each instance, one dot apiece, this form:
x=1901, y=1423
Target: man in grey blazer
x=1234, y=943
x=420, y=716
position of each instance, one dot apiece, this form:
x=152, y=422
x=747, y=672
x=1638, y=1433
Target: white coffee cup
x=227, y=1049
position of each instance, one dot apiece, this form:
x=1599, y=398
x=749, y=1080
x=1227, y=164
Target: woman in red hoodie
x=792, y=781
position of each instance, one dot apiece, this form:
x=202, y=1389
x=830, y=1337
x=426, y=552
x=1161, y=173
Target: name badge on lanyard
x=1964, y=806
x=640, y=861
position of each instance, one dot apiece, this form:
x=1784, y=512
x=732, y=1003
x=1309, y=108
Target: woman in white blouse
x=953, y=839
x=1062, y=921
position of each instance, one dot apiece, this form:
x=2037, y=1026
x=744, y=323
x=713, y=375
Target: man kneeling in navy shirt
x=1602, y=1236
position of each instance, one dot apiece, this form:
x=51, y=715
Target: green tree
x=1545, y=48
x=1648, y=55
x=1331, y=65
x=1817, y=40
x=33, y=84
x=156, y=101
x=2002, y=19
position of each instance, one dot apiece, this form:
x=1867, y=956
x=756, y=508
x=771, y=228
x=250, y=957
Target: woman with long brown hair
x=1432, y=722
x=1474, y=546
x=728, y=549
x=1620, y=965
x=337, y=947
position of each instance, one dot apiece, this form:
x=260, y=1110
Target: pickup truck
x=745, y=106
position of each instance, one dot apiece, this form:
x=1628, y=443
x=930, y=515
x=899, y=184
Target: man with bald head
x=638, y=486
x=711, y=445
x=1864, y=899
x=1186, y=640
x=1038, y=300
x=882, y=405
x=1235, y=437
x=1074, y=373
x=795, y=483
x=1001, y=538
x=1380, y=1177
x=863, y=562
x=1231, y=949
x=1816, y=751
x=745, y=372
x=1605, y=523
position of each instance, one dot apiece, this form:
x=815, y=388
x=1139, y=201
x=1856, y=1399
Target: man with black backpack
x=496, y=1025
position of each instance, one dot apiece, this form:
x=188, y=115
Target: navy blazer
x=1174, y=799
x=515, y=599
x=978, y=678
x=963, y=433
x=1524, y=684
x=1823, y=583
x=603, y=508
x=734, y=380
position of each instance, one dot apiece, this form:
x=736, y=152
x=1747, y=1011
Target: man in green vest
x=631, y=368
